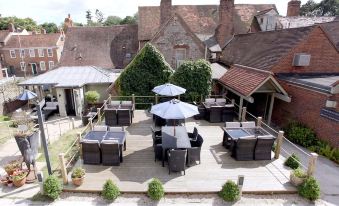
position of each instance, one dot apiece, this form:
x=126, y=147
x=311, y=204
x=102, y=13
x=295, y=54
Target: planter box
x=296, y=181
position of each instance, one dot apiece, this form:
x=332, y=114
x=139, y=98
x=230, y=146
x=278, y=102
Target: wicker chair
x=194, y=135
x=244, y=148
x=202, y=113
x=157, y=147
x=100, y=128
x=176, y=160
x=227, y=113
x=110, y=153
x=227, y=141
x=193, y=153
x=263, y=148
x=124, y=117
x=248, y=124
x=111, y=117
x=158, y=121
x=115, y=103
x=215, y=114
x=116, y=129
x=91, y=152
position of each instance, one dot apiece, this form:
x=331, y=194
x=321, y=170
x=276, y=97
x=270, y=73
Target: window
x=261, y=20
x=12, y=53
x=51, y=64
x=50, y=52
x=42, y=66
x=41, y=52
x=22, y=53
x=31, y=52
x=22, y=66
x=180, y=56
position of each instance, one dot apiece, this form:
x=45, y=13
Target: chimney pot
x=225, y=29
x=165, y=11
x=293, y=8
x=11, y=27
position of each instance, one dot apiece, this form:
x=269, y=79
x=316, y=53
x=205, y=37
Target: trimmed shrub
x=299, y=173
x=230, y=191
x=292, y=161
x=301, y=134
x=310, y=189
x=110, y=191
x=155, y=189
x=52, y=187
x=92, y=97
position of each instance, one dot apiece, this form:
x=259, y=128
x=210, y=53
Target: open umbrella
x=169, y=90
x=27, y=95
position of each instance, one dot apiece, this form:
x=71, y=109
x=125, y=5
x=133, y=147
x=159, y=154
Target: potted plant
x=19, y=178
x=297, y=177
x=12, y=166
x=92, y=98
x=78, y=176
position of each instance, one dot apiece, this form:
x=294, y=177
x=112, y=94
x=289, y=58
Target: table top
x=105, y=135
x=175, y=137
x=236, y=133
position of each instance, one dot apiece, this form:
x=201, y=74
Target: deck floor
x=215, y=169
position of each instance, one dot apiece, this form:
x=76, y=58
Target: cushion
x=90, y=141
x=210, y=100
x=110, y=141
x=116, y=129
x=266, y=137
x=115, y=103
x=100, y=128
x=248, y=124
x=232, y=124
x=126, y=103
x=220, y=100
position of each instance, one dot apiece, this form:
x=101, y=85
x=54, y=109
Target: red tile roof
x=244, y=80
x=3, y=35
x=34, y=40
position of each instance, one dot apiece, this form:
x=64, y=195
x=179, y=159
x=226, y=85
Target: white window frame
x=22, y=53
x=180, y=61
x=22, y=66
x=31, y=52
x=41, y=52
x=13, y=55
x=49, y=64
x=48, y=53
x=42, y=68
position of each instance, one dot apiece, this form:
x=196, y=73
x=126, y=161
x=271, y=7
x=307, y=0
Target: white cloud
x=57, y=10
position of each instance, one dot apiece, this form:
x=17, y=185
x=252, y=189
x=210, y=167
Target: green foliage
x=301, y=134
x=155, y=189
x=92, y=97
x=4, y=118
x=299, y=173
x=110, y=191
x=326, y=150
x=323, y=8
x=52, y=187
x=99, y=16
x=195, y=77
x=230, y=191
x=50, y=27
x=78, y=173
x=129, y=20
x=309, y=189
x=112, y=20
x=22, y=23
x=292, y=161
x=147, y=70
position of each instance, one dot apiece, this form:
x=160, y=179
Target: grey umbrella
x=27, y=95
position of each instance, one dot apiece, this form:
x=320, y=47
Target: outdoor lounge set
x=215, y=110
x=119, y=113
x=248, y=142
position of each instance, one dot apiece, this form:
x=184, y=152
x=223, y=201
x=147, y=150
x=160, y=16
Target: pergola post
x=243, y=114
x=312, y=163
x=279, y=144
x=240, y=107
x=63, y=168
x=270, y=109
x=259, y=121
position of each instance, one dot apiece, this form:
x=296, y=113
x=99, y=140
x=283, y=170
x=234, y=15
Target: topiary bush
x=52, y=187
x=110, y=191
x=301, y=134
x=230, y=191
x=292, y=161
x=195, y=77
x=92, y=97
x=309, y=189
x=155, y=189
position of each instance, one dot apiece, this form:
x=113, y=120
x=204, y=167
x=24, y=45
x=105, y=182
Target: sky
x=56, y=10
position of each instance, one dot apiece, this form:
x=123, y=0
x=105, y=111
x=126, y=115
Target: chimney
x=293, y=8
x=225, y=29
x=11, y=27
x=165, y=11
x=43, y=31
x=68, y=22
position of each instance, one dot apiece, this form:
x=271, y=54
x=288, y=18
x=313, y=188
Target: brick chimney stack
x=43, y=31
x=165, y=11
x=225, y=28
x=68, y=22
x=293, y=8
x=11, y=27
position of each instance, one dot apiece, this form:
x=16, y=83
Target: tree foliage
x=323, y=8
x=22, y=23
x=195, y=77
x=147, y=70
x=99, y=16
x=112, y=20
x=50, y=27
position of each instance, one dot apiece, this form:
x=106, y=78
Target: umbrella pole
x=174, y=126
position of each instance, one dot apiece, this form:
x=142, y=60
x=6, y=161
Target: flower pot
x=296, y=181
x=20, y=182
x=78, y=181
x=9, y=172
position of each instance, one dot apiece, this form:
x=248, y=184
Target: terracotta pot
x=296, y=181
x=9, y=172
x=78, y=181
x=19, y=183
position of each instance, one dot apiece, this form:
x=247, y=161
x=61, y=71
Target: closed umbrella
x=169, y=90
x=27, y=95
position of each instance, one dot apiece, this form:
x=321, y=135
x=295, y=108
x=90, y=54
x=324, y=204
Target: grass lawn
x=60, y=146
x=6, y=131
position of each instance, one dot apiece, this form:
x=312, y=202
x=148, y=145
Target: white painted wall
x=61, y=102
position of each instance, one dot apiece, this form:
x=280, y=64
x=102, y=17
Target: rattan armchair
x=111, y=117
x=110, y=153
x=176, y=160
x=244, y=148
x=263, y=148
x=91, y=152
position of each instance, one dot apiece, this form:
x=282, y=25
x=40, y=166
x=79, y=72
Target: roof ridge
x=254, y=69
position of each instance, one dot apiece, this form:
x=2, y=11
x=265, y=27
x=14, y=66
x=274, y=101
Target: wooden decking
x=216, y=167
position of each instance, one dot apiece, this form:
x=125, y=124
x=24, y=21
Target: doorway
x=34, y=69
x=69, y=99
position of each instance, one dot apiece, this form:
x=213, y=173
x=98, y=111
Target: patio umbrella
x=169, y=90
x=27, y=95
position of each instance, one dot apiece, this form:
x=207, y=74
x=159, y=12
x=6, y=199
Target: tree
x=50, y=27
x=112, y=20
x=22, y=23
x=324, y=8
x=89, y=17
x=147, y=70
x=195, y=77
x=129, y=20
x=99, y=16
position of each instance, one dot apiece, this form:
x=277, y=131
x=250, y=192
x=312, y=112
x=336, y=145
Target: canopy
x=174, y=109
x=169, y=90
x=27, y=95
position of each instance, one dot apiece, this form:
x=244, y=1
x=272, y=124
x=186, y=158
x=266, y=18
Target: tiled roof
x=3, y=35
x=202, y=19
x=218, y=70
x=106, y=47
x=302, y=21
x=262, y=50
x=332, y=31
x=35, y=40
x=243, y=80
